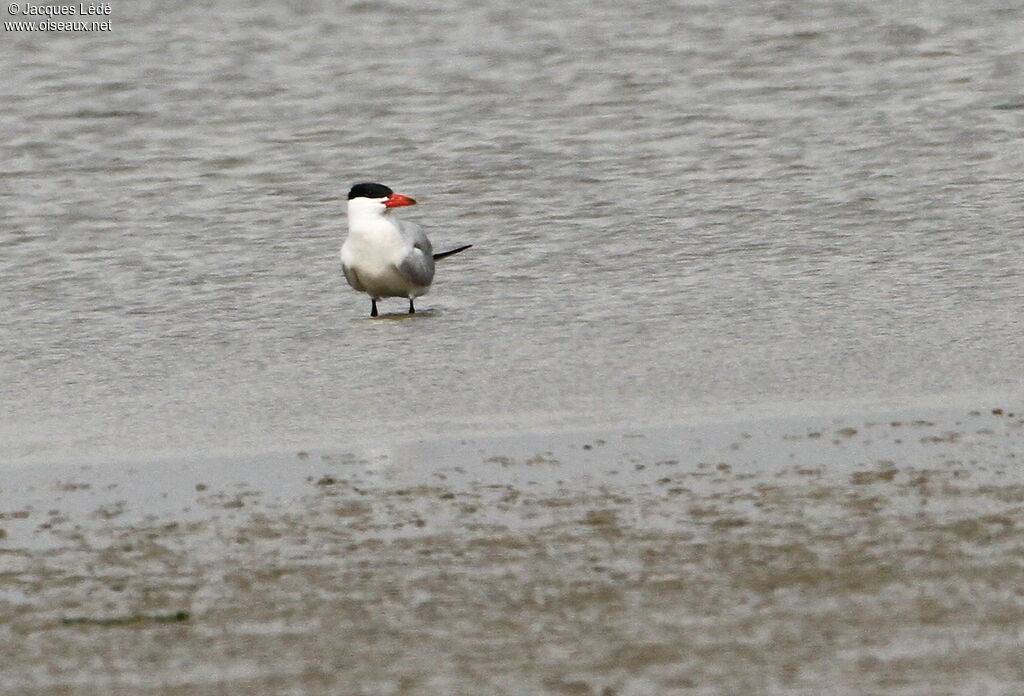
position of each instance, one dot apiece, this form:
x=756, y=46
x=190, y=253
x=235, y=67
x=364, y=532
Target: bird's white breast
x=374, y=249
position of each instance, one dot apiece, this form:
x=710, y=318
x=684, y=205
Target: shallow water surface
x=674, y=207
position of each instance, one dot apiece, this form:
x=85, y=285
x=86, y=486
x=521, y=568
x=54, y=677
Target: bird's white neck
x=366, y=212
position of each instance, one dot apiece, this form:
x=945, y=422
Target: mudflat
x=868, y=553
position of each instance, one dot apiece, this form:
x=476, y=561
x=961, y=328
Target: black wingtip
x=445, y=254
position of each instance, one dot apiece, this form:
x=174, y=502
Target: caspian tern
x=382, y=255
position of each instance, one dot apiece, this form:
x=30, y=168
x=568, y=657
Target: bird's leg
x=412, y=310
x=373, y=307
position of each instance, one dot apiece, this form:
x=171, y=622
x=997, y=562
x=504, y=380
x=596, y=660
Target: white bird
x=382, y=255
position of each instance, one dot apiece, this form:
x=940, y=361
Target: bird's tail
x=445, y=254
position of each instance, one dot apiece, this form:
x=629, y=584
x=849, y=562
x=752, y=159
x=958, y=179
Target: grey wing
x=416, y=237
x=351, y=277
x=418, y=265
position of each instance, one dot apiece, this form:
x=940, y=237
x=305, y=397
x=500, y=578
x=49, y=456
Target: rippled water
x=674, y=206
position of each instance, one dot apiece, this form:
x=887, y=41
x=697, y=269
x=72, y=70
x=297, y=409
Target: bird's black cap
x=369, y=190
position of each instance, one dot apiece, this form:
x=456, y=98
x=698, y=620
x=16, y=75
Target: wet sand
x=866, y=554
